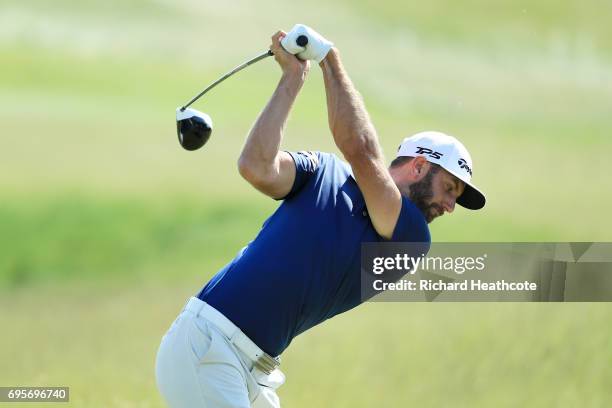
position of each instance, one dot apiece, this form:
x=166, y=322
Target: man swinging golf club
x=304, y=265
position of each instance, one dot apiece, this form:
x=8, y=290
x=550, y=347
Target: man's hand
x=316, y=48
x=289, y=63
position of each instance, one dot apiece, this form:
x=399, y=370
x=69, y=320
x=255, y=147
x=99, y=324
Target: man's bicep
x=382, y=197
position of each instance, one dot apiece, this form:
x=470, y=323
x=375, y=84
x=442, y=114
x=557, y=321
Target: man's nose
x=449, y=205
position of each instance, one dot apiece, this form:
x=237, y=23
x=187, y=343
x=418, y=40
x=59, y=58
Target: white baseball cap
x=450, y=154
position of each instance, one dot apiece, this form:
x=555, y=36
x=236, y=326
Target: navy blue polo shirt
x=304, y=265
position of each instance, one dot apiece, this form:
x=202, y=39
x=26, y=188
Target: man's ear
x=420, y=167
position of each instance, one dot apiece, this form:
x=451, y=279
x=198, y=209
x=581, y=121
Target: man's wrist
x=332, y=54
x=293, y=78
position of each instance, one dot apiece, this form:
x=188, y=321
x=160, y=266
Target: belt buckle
x=267, y=364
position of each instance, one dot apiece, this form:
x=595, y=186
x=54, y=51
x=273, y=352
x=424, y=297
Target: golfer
x=303, y=267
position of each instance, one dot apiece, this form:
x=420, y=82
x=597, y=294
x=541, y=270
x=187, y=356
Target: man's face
x=436, y=193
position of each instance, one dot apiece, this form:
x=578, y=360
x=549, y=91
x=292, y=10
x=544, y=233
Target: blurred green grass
x=84, y=239
x=106, y=225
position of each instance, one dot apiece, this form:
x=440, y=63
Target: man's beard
x=420, y=193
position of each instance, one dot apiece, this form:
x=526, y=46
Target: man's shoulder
x=315, y=159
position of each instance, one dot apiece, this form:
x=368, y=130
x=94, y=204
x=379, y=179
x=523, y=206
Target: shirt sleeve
x=411, y=224
x=306, y=164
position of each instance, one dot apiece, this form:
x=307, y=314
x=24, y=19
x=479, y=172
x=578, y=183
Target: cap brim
x=471, y=198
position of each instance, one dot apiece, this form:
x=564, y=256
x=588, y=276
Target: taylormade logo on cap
x=447, y=152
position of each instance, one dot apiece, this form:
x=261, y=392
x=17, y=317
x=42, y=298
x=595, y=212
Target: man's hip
x=205, y=360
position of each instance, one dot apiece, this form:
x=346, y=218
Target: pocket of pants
x=199, y=339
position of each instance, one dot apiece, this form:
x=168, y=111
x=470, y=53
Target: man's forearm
x=263, y=142
x=349, y=121
x=356, y=137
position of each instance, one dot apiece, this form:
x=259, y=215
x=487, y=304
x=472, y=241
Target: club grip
x=302, y=40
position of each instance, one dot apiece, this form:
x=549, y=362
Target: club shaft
x=229, y=74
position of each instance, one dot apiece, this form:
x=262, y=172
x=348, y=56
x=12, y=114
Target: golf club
x=194, y=127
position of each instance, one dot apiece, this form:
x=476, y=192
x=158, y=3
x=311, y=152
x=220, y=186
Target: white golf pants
x=199, y=367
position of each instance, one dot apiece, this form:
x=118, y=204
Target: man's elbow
x=254, y=173
x=244, y=168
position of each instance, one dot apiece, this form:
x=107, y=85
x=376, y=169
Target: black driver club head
x=193, y=128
